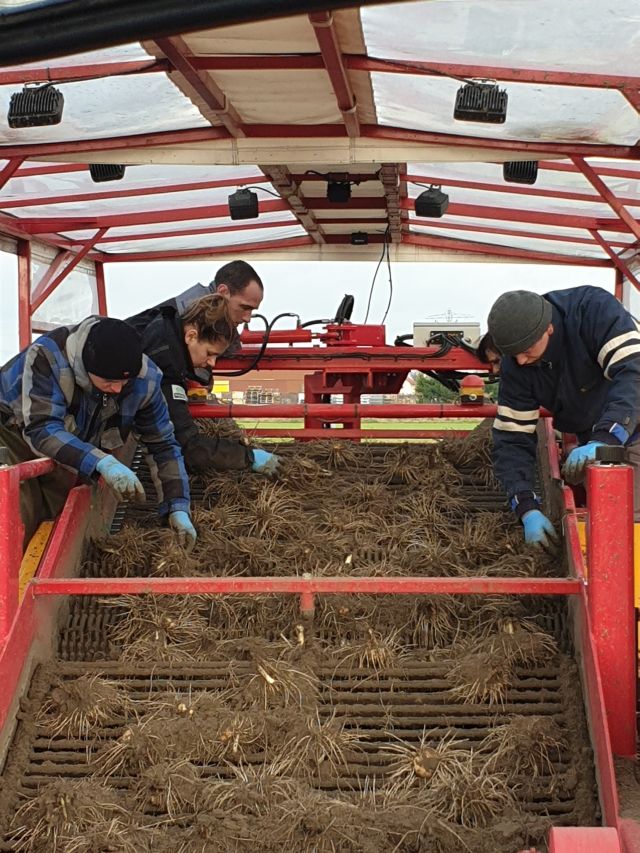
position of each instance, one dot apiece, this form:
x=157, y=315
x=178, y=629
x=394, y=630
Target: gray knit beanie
x=517, y=320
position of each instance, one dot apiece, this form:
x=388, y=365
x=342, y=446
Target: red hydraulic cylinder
x=610, y=595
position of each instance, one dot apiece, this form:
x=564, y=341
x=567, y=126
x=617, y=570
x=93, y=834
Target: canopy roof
x=364, y=95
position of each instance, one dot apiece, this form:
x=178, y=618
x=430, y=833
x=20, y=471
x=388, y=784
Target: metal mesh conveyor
x=395, y=703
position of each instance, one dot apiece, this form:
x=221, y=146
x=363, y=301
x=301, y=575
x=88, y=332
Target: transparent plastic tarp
x=526, y=34
x=535, y=245
x=73, y=299
x=106, y=107
x=197, y=241
x=534, y=113
x=153, y=202
x=205, y=224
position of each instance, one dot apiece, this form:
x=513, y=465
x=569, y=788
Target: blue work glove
x=185, y=532
x=539, y=531
x=120, y=479
x=573, y=469
x=264, y=462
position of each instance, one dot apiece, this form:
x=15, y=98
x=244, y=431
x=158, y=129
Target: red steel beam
x=127, y=257
x=621, y=266
x=610, y=596
x=37, y=225
x=57, y=272
x=115, y=143
x=131, y=192
x=280, y=131
x=514, y=232
x=339, y=411
x=298, y=585
x=202, y=84
x=101, y=289
x=358, y=62
x=566, y=149
x=186, y=232
x=609, y=171
x=612, y=200
x=395, y=191
x=327, y=37
x=24, y=293
x=9, y=171
x=281, y=178
x=69, y=73
x=449, y=244
x=520, y=189
x=510, y=214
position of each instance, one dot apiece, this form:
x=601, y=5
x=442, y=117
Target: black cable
x=60, y=27
x=375, y=275
x=263, y=345
x=390, y=282
x=262, y=189
x=314, y=323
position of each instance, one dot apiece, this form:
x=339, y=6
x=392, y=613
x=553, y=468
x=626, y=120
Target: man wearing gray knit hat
x=576, y=353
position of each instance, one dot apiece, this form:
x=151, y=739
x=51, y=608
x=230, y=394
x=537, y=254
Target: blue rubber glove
x=120, y=479
x=185, y=532
x=539, y=531
x=573, y=469
x=264, y=462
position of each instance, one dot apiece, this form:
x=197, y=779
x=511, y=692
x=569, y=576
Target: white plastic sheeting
x=571, y=35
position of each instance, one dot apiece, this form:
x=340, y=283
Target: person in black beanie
x=577, y=353
x=74, y=395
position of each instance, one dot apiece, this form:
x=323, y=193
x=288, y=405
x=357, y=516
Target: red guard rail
x=12, y=533
x=606, y=597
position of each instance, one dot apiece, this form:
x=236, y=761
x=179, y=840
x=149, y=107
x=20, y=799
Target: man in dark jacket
x=74, y=395
x=240, y=285
x=577, y=353
x=180, y=344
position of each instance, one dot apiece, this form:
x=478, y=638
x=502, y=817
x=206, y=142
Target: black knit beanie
x=113, y=350
x=517, y=320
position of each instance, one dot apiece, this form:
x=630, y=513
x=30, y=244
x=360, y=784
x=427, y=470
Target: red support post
x=11, y=533
x=24, y=293
x=610, y=596
x=101, y=290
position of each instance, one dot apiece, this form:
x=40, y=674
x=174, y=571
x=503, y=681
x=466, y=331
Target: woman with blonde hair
x=180, y=344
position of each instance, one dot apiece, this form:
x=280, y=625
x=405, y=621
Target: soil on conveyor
x=384, y=723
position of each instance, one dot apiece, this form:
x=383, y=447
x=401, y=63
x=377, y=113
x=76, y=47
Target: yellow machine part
x=33, y=555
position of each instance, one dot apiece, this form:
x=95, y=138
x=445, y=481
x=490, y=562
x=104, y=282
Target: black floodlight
x=359, y=238
x=35, y=106
x=483, y=102
x=432, y=202
x=338, y=192
x=243, y=204
x=106, y=172
x=522, y=172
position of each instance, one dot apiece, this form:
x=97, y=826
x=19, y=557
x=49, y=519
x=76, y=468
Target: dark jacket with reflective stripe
x=588, y=377
x=163, y=341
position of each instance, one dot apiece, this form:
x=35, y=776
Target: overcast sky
x=314, y=290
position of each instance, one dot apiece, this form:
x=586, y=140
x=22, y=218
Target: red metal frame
x=24, y=293
x=11, y=534
x=333, y=60
x=611, y=601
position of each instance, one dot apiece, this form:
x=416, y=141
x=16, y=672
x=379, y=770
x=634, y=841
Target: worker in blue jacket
x=577, y=353
x=74, y=395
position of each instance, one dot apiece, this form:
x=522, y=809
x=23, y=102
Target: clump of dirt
x=76, y=707
x=63, y=810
